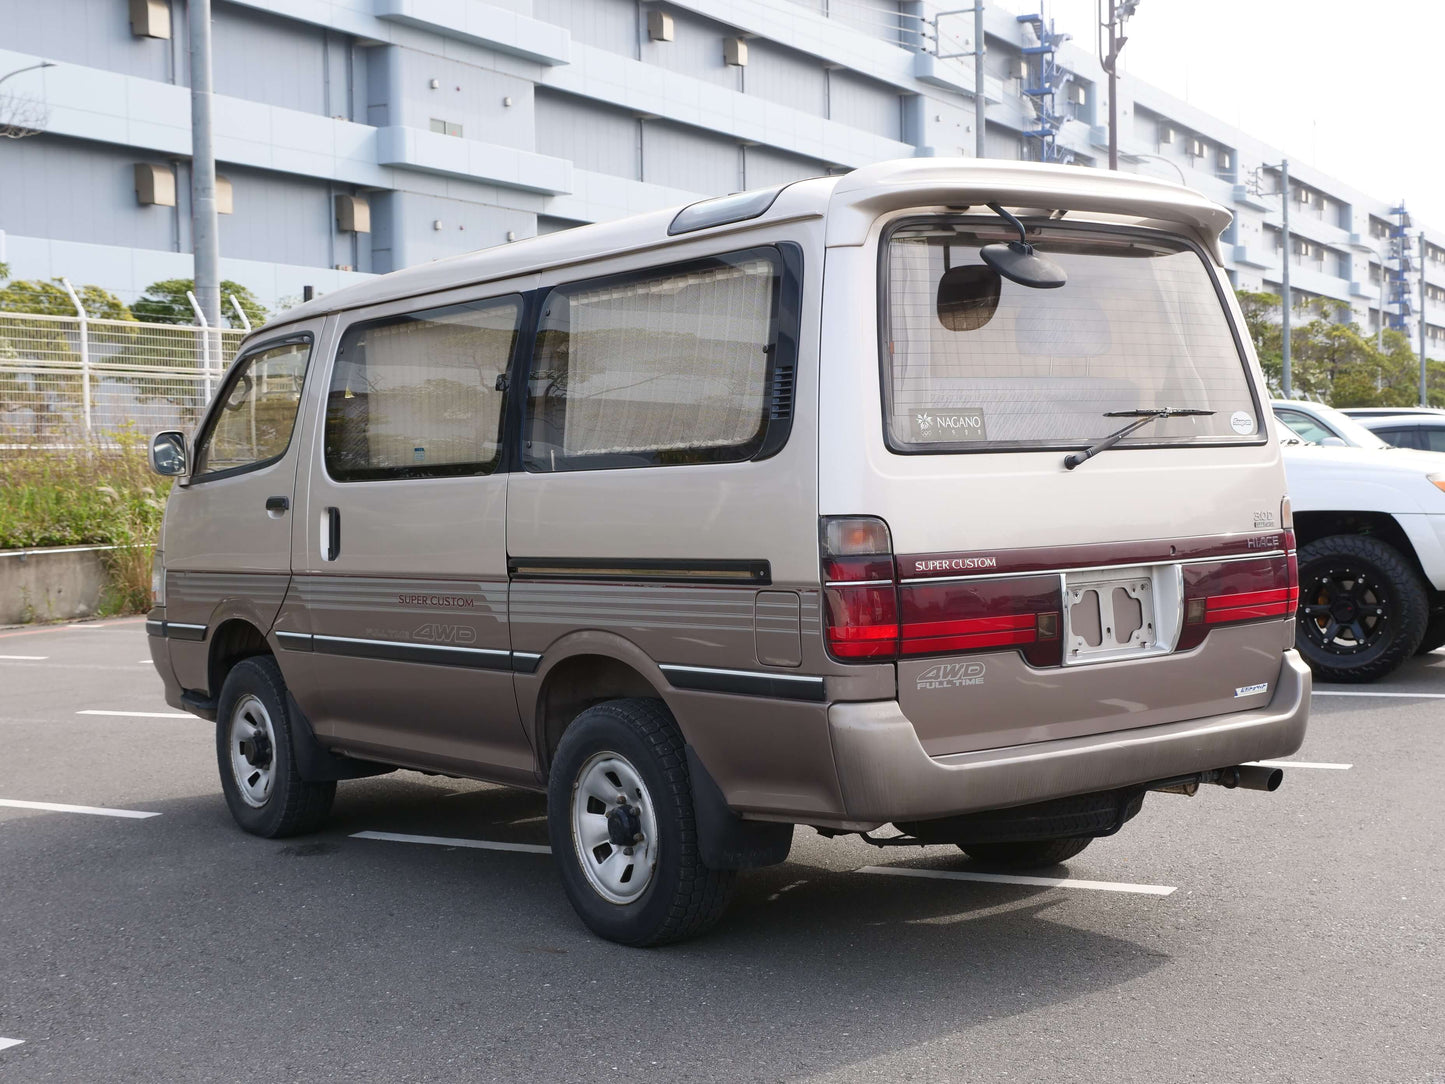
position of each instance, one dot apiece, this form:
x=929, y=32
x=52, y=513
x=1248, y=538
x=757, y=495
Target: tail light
x=860, y=588
x=872, y=616
x=1233, y=592
x=982, y=615
x=1286, y=522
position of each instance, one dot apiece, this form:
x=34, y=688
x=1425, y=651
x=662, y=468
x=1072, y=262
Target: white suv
x=1371, y=530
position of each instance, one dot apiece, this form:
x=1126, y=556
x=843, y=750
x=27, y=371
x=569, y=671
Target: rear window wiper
x=1142, y=418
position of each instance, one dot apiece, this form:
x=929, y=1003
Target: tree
x=166, y=301
x=50, y=299
x=1261, y=320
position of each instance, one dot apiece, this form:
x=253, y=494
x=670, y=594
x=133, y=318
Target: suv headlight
x=1436, y=480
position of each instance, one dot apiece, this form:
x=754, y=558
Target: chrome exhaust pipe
x=1247, y=776
x=1250, y=777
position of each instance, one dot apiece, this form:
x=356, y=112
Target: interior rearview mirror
x=168, y=453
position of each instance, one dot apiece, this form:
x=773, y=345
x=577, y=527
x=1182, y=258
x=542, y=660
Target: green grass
x=84, y=498
x=79, y=499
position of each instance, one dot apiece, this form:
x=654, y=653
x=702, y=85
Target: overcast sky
x=1356, y=89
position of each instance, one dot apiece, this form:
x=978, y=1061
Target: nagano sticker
x=1241, y=422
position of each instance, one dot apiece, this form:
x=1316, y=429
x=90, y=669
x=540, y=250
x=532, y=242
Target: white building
x=359, y=136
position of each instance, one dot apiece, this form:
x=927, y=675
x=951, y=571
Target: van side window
x=417, y=396
x=668, y=366
x=253, y=425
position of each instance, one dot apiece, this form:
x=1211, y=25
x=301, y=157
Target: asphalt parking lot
x=1242, y=935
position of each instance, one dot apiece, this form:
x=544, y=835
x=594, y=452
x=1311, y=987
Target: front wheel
x=1362, y=611
x=623, y=832
x=265, y=793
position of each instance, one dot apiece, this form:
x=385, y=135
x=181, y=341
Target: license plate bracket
x=1115, y=614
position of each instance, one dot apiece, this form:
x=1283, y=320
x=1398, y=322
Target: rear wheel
x=1027, y=854
x=266, y=795
x=1363, y=610
x=623, y=831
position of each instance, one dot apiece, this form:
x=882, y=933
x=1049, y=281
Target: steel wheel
x=252, y=744
x=614, y=827
x=1345, y=608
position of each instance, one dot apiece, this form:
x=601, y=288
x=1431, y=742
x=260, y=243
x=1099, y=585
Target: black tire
x=1027, y=854
x=1363, y=609
x=1434, y=635
x=288, y=805
x=682, y=896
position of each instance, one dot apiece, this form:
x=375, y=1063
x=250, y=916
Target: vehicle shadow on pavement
x=180, y=937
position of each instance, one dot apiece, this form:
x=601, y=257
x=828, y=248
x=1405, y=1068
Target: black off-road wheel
x=265, y=794
x=624, y=837
x=1027, y=854
x=1434, y=635
x=1363, y=610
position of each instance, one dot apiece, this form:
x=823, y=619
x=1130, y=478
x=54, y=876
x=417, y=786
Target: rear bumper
x=885, y=775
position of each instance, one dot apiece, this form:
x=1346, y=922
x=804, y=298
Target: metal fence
x=68, y=380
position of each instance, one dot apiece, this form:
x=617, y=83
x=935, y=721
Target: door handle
x=279, y=505
x=331, y=534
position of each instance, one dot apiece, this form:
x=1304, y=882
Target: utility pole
x=1423, y=398
x=204, y=239
x=980, y=102
x=1285, y=307
x=1119, y=10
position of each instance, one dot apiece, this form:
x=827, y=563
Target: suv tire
x=1363, y=609
x=1434, y=635
x=631, y=869
x=1026, y=854
x=266, y=795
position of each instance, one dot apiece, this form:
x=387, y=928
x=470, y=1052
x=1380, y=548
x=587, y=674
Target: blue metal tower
x=1043, y=80
x=1402, y=266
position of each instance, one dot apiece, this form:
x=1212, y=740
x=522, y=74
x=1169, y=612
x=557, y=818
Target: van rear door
x=1038, y=600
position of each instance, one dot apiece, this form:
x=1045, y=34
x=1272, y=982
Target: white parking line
x=1011, y=879
x=25, y=658
x=1351, y=692
x=140, y=714
x=95, y=811
x=5, y=1044
x=1302, y=764
x=444, y=841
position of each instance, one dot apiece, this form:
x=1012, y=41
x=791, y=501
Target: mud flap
x=317, y=764
x=725, y=840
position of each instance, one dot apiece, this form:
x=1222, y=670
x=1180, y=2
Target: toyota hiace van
x=939, y=495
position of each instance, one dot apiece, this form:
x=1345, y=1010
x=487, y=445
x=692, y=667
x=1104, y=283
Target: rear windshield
x=976, y=363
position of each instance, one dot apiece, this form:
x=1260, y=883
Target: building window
x=446, y=127
x=1166, y=135
x=418, y=396
x=664, y=367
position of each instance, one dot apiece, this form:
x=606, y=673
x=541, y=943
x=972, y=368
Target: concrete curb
x=51, y=584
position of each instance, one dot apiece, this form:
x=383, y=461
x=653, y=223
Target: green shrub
x=80, y=498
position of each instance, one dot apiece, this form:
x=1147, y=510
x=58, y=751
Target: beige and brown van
x=941, y=495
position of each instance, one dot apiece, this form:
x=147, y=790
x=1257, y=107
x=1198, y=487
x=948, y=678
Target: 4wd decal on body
x=949, y=675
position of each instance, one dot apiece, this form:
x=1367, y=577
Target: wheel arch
x=576, y=676
x=1314, y=525
x=233, y=640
